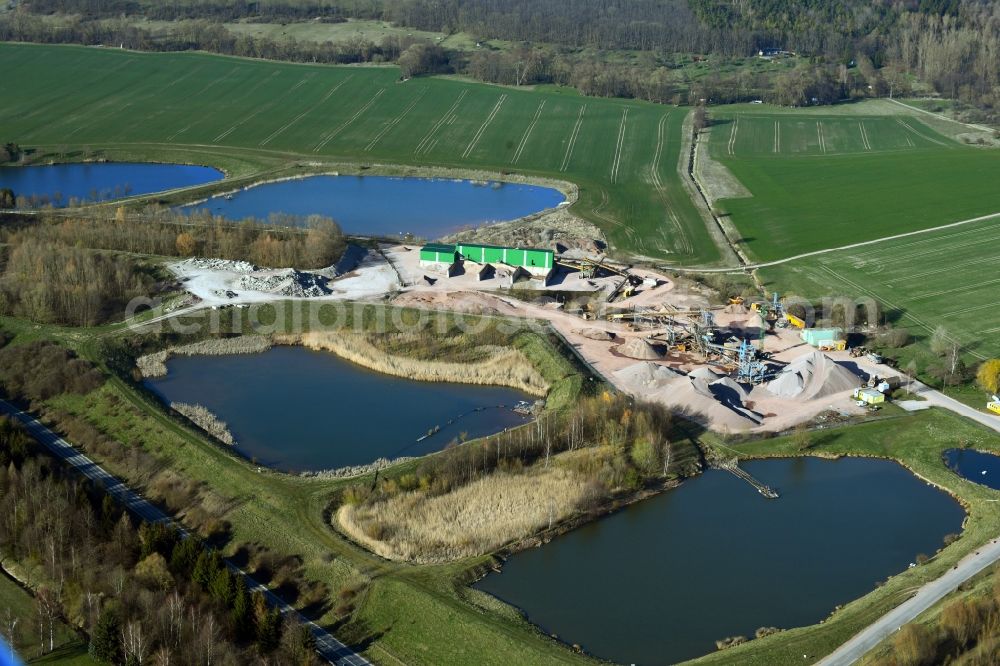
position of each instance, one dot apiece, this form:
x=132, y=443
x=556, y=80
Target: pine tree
x=105, y=642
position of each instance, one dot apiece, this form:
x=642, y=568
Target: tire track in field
x=425, y=143
x=732, y=135
x=527, y=133
x=974, y=308
x=617, y=159
x=938, y=239
x=820, y=137
x=937, y=271
x=219, y=81
x=572, y=139
x=680, y=239
x=395, y=121
x=482, y=128
x=598, y=211
x=260, y=109
x=926, y=138
x=305, y=113
x=101, y=102
x=347, y=123
x=864, y=136
x=953, y=290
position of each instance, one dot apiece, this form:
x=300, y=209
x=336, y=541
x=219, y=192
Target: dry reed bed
x=155, y=364
x=475, y=519
x=502, y=366
x=206, y=420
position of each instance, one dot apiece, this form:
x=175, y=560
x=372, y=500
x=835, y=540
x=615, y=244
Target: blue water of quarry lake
x=61, y=183
x=388, y=206
x=296, y=409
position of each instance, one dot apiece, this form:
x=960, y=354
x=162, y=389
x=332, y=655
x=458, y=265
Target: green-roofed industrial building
x=533, y=260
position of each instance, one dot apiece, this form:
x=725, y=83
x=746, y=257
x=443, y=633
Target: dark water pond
x=385, y=206
x=297, y=409
x=982, y=468
x=662, y=580
x=63, y=184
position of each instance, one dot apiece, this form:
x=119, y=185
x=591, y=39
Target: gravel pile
x=220, y=265
x=640, y=349
x=595, y=334
x=288, y=282
x=648, y=376
x=810, y=376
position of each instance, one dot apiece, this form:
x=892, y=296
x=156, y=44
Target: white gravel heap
x=220, y=265
x=810, y=376
x=287, y=282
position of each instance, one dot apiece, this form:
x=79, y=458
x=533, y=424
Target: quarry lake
x=388, y=206
x=296, y=409
x=63, y=184
x=975, y=466
x=662, y=580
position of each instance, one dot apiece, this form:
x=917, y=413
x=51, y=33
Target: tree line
x=140, y=592
x=630, y=444
x=80, y=270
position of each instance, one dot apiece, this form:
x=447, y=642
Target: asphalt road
x=925, y=597
x=327, y=646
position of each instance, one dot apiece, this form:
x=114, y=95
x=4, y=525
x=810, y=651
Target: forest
x=82, y=270
x=139, y=591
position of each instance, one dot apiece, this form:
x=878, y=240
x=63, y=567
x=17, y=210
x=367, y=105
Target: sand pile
x=705, y=373
x=647, y=377
x=595, y=334
x=701, y=401
x=640, y=349
x=811, y=376
x=735, y=308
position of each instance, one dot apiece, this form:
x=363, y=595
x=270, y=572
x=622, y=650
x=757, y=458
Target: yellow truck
x=994, y=405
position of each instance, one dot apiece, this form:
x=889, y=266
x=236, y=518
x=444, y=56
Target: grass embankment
x=495, y=365
x=155, y=364
x=917, y=441
x=291, y=118
x=70, y=647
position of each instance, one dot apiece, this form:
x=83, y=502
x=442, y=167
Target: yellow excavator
x=994, y=405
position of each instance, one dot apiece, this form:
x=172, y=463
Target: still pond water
x=60, y=183
x=662, y=580
x=983, y=468
x=297, y=409
x=385, y=206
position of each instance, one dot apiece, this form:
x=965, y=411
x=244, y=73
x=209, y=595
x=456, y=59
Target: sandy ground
x=616, y=350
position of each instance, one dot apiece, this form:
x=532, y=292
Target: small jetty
x=732, y=466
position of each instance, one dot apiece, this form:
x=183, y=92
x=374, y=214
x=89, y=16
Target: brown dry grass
x=501, y=366
x=474, y=519
x=155, y=364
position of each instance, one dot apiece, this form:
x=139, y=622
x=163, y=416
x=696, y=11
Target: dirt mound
x=640, y=349
x=646, y=376
x=595, y=334
x=811, y=376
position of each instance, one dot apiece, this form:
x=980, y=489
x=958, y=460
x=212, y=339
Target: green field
x=943, y=278
x=622, y=154
x=824, y=179
x=70, y=648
